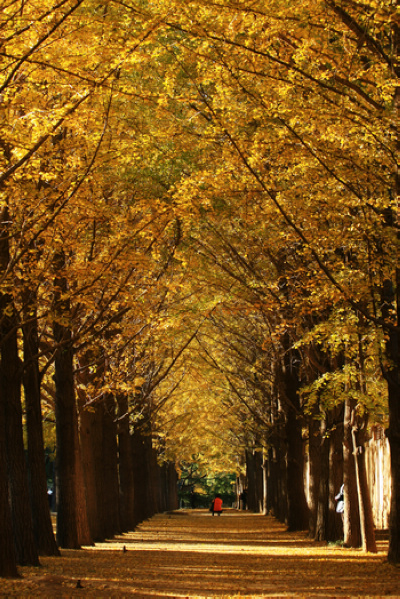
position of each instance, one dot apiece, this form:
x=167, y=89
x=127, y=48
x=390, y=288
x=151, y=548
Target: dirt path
x=192, y=554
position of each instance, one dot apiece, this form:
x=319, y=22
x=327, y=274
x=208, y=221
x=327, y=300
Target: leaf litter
x=192, y=554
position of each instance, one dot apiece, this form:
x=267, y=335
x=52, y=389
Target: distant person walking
x=340, y=501
x=216, y=506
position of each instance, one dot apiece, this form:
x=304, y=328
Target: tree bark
x=84, y=533
x=141, y=508
x=100, y=471
x=11, y=383
x=91, y=438
x=72, y=522
x=17, y=471
x=110, y=462
x=364, y=499
x=66, y=426
x=91, y=442
x=153, y=491
x=259, y=471
x=297, y=504
x=143, y=503
x=172, y=488
x=335, y=520
x=126, y=479
x=297, y=508
x=276, y=481
x=169, y=487
x=393, y=434
x=391, y=304
x=42, y=525
x=271, y=483
x=255, y=478
x=8, y=560
x=323, y=488
x=351, y=517
x=314, y=454
x=251, y=481
x=391, y=311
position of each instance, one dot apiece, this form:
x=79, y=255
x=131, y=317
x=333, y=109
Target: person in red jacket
x=216, y=507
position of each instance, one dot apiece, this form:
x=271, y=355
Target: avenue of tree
x=199, y=259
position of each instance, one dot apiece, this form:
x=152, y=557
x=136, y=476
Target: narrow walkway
x=192, y=554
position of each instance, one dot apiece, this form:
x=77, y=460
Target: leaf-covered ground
x=192, y=554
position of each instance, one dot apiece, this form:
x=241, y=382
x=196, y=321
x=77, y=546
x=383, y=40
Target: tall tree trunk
x=17, y=471
x=351, y=517
x=393, y=434
x=271, y=483
x=42, y=525
x=91, y=441
x=169, y=488
x=152, y=477
x=259, y=472
x=163, y=499
x=97, y=465
x=141, y=507
x=251, y=480
x=110, y=461
x=358, y=435
x=331, y=476
x=126, y=480
x=264, y=482
x=66, y=426
x=335, y=520
x=277, y=480
x=159, y=484
x=84, y=533
x=256, y=470
x=90, y=433
x=8, y=560
x=391, y=312
x=281, y=477
x=72, y=521
x=323, y=488
x=314, y=454
x=364, y=499
x=391, y=305
x=260, y=481
x=297, y=517
x=11, y=382
x=172, y=487
x=144, y=496
x=297, y=504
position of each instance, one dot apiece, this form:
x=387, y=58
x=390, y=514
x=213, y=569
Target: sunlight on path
x=192, y=554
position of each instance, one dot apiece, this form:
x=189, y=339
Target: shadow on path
x=192, y=554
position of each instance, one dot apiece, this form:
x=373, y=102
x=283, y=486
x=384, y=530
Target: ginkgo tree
x=167, y=168
x=302, y=100
x=61, y=223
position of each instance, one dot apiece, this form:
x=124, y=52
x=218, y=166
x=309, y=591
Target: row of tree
x=186, y=190
x=83, y=259
x=297, y=239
